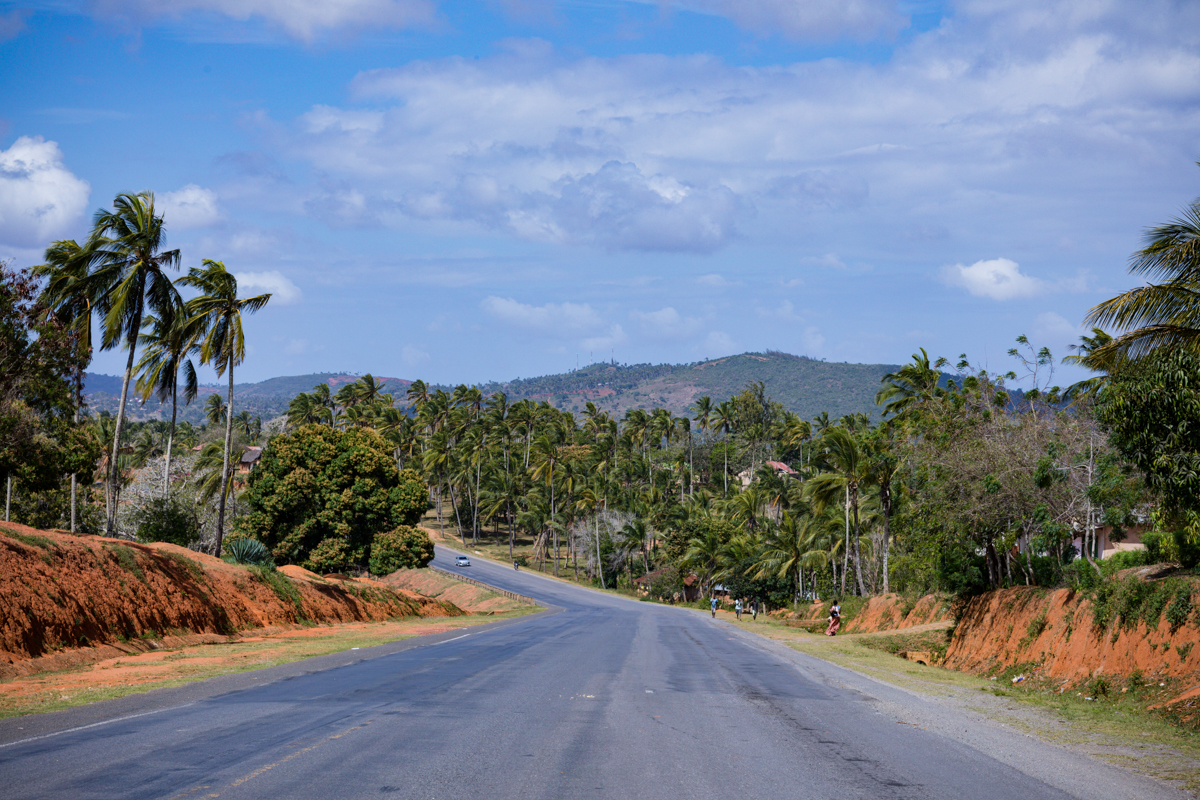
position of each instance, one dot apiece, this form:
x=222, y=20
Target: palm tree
x=724, y=420
x=128, y=275
x=909, y=385
x=215, y=410
x=217, y=312
x=166, y=349
x=1162, y=315
x=848, y=471
x=1088, y=345
x=68, y=296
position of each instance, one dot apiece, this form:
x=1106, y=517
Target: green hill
x=804, y=385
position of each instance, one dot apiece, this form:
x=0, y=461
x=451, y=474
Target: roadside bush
x=168, y=519
x=404, y=547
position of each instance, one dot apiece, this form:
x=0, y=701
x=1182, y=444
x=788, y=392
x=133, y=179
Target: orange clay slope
x=70, y=600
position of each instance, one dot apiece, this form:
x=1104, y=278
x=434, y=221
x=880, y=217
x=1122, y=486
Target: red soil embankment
x=882, y=613
x=1055, y=631
x=70, y=600
x=471, y=598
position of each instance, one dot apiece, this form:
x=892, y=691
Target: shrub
x=404, y=547
x=168, y=519
x=1180, y=608
x=244, y=550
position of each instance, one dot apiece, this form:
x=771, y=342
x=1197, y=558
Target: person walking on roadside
x=712, y=606
x=835, y=619
x=754, y=610
x=737, y=609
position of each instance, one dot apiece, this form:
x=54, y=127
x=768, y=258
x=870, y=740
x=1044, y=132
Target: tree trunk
x=846, y=554
x=74, y=477
x=8, y=499
x=170, y=442
x=887, y=538
x=862, y=592
x=599, y=563
x=225, y=468
x=111, y=495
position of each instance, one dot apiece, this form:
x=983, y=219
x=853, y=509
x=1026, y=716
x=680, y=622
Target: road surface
x=600, y=697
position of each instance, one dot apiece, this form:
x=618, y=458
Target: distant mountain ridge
x=804, y=385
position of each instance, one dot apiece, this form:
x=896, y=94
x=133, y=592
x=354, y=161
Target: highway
x=599, y=697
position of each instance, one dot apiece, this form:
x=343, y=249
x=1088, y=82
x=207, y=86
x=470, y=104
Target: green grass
x=127, y=558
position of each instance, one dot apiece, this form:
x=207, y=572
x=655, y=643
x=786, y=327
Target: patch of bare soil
x=75, y=600
x=1054, y=633
x=471, y=598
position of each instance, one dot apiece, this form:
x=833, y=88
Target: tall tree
x=128, y=274
x=217, y=314
x=166, y=348
x=68, y=296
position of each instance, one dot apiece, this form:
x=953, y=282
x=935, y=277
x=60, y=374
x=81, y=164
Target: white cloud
x=999, y=279
x=283, y=291
x=717, y=281
x=301, y=19
x=666, y=323
x=412, y=356
x=984, y=118
x=807, y=19
x=718, y=343
x=812, y=340
x=784, y=312
x=555, y=320
x=828, y=261
x=614, y=338
x=296, y=347
x=190, y=207
x=39, y=197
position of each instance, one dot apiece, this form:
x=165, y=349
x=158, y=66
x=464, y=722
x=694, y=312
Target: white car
x=462, y=561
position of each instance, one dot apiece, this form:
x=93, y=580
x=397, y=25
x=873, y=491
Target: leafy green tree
x=1152, y=408
x=68, y=297
x=39, y=362
x=216, y=315
x=170, y=518
x=319, y=496
x=404, y=547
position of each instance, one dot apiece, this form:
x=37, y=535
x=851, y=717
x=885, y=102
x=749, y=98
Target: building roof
x=779, y=466
x=251, y=455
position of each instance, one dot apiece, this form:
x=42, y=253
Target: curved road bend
x=601, y=698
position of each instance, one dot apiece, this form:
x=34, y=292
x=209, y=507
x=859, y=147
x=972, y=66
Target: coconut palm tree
x=848, y=470
x=165, y=351
x=68, y=296
x=215, y=409
x=909, y=385
x=217, y=312
x=128, y=275
x=724, y=420
x=1161, y=315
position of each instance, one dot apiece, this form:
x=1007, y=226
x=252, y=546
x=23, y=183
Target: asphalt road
x=601, y=697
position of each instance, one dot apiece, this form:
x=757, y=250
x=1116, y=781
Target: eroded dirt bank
x=882, y=613
x=1056, y=632
x=71, y=600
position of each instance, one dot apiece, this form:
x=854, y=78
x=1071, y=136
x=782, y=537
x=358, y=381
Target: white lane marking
x=455, y=639
x=93, y=725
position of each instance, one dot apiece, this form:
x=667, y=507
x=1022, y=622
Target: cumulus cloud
x=296, y=347
x=716, y=281
x=555, y=320
x=666, y=323
x=999, y=279
x=283, y=292
x=302, y=19
x=39, y=197
x=717, y=344
x=190, y=207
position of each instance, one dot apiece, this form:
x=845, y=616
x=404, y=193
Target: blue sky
x=466, y=191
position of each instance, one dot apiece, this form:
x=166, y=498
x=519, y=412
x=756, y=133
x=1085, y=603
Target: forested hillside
x=803, y=385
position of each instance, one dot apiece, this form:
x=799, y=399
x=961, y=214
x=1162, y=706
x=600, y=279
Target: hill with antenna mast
x=804, y=385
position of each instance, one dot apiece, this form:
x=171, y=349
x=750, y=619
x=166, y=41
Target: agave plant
x=250, y=552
